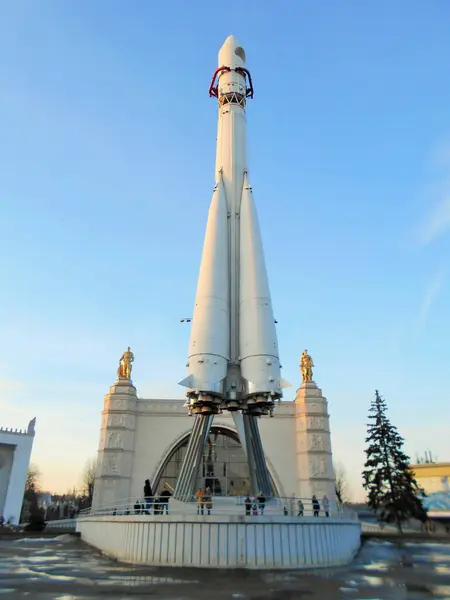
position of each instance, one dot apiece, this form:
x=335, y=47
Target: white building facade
x=15, y=452
x=145, y=439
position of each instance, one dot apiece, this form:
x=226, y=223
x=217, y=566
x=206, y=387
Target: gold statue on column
x=306, y=365
x=124, y=370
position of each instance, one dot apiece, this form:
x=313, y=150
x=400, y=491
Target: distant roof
x=437, y=501
x=430, y=464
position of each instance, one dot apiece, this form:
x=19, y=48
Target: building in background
x=434, y=479
x=15, y=452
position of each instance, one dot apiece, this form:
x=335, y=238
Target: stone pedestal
x=313, y=445
x=116, y=446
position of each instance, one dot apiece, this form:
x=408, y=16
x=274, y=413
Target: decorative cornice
x=21, y=432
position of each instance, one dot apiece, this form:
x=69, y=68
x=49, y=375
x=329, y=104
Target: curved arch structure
x=221, y=464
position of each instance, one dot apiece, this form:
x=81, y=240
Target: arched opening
x=223, y=468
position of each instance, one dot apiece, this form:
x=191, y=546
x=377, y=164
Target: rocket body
x=233, y=358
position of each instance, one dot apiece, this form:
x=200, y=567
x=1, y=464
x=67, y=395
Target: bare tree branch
x=341, y=485
x=32, y=485
x=88, y=476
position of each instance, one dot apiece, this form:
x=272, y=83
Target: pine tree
x=392, y=489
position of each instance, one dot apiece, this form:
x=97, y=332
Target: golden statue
x=124, y=370
x=306, y=365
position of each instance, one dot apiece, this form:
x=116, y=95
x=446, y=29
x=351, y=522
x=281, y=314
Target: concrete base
x=224, y=541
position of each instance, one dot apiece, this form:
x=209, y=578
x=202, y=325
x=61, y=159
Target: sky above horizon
x=106, y=174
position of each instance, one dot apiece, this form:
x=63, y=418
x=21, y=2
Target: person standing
x=326, y=505
x=199, y=494
x=255, y=507
x=262, y=502
x=301, y=508
x=164, y=500
x=248, y=505
x=315, y=505
x=208, y=500
x=148, y=495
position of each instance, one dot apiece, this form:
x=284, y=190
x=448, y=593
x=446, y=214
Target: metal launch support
x=259, y=475
x=185, y=486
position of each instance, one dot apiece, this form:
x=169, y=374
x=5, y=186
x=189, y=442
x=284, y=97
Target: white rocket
x=233, y=359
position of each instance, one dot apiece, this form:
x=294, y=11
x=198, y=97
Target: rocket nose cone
x=232, y=39
x=231, y=54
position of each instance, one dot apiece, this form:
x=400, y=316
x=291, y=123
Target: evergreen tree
x=392, y=489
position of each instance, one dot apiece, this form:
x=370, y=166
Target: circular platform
x=224, y=541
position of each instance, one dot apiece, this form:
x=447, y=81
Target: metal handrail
x=155, y=505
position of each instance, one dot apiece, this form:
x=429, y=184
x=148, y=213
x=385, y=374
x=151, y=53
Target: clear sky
x=107, y=143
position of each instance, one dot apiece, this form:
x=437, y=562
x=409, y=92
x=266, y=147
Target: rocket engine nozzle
x=259, y=404
x=201, y=403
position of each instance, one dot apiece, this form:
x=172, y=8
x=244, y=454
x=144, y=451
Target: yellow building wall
x=432, y=477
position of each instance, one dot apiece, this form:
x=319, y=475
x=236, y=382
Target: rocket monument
x=233, y=362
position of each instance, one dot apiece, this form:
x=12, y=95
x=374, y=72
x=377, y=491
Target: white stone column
x=116, y=447
x=313, y=441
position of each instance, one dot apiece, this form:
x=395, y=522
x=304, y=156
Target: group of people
x=315, y=506
x=253, y=504
x=204, y=501
x=160, y=503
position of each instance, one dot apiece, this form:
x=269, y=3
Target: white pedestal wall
x=138, y=435
x=315, y=474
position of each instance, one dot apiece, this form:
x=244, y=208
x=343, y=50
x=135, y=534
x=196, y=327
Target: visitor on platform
x=156, y=505
x=262, y=502
x=207, y=498
x=300, y=508
x=315, y=505
x=148, y=495
x=200, y=494
x=248, y=505
x=326, y=505
x=164, y=501
x=255, y=507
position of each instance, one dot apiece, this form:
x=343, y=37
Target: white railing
x=217, y=505
x=68, y=523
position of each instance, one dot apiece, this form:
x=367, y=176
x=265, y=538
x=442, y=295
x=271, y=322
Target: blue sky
x=106, y=172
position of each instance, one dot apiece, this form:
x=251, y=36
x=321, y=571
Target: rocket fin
x=284, y=383
x=209, y=341
x=187, y=382
x=258, y=345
